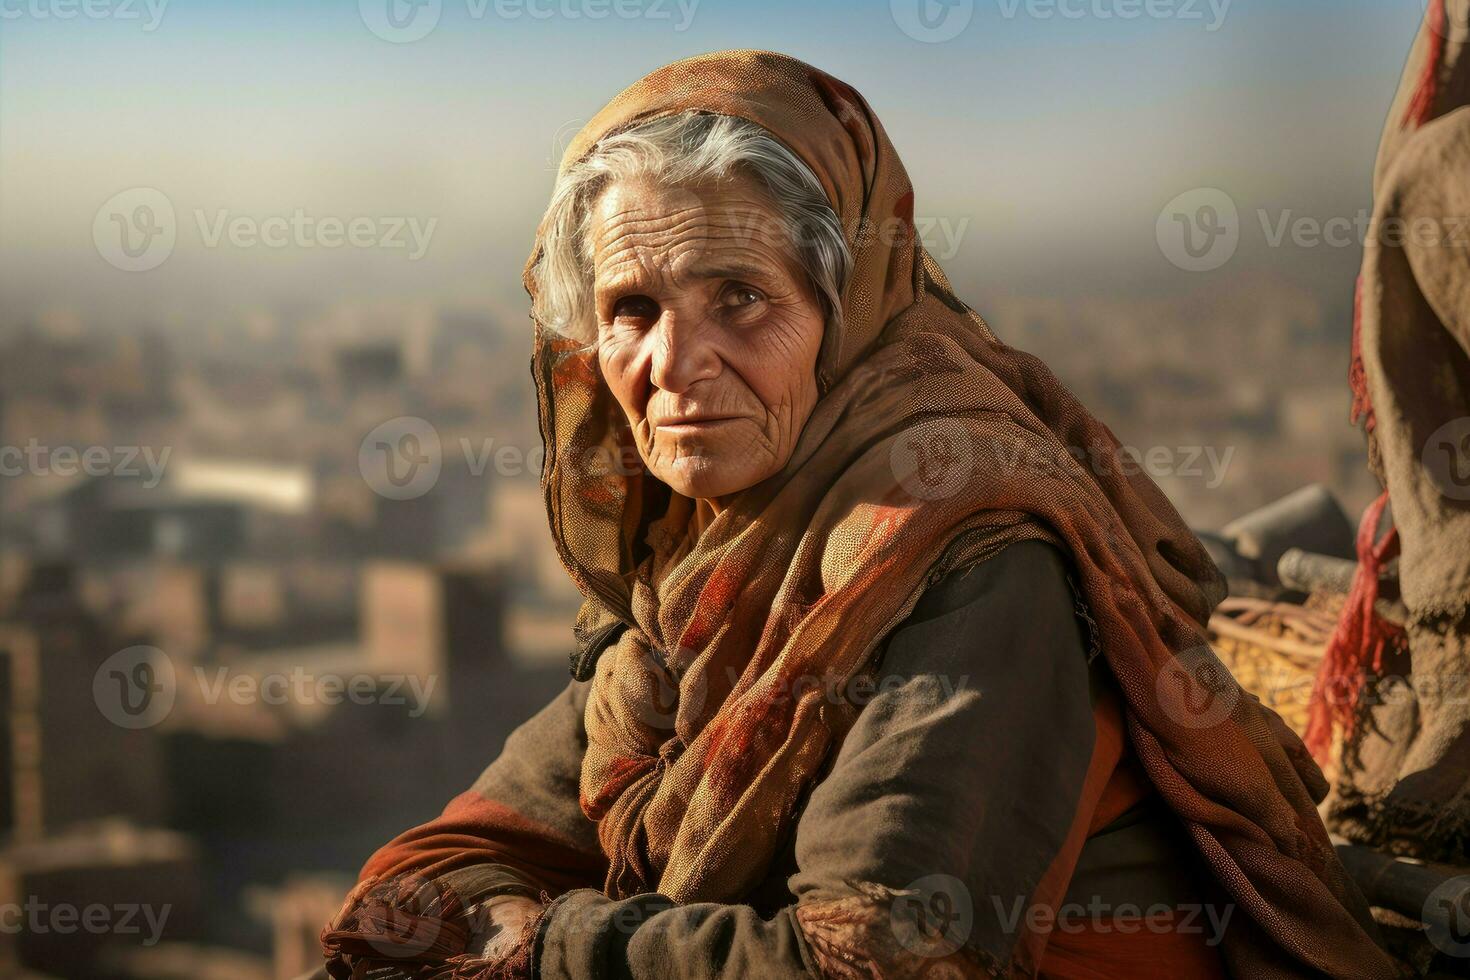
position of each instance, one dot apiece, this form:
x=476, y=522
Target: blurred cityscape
x=236, y=654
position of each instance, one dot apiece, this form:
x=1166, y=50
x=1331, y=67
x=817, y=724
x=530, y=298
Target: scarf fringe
x=379, y=929
x=1360, y=641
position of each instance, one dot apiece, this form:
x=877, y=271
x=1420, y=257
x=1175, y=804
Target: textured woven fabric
x=1403, y=784
x=933, y=445
x=1414, y=307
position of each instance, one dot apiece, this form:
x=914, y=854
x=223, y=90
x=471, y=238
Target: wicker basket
x=1275, y=648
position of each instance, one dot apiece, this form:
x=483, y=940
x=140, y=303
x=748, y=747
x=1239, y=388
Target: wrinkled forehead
x=639, y=227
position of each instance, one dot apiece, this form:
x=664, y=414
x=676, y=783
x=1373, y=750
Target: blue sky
x=1051, y=135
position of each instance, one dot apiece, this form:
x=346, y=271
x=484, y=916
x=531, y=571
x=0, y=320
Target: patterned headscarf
x=719, y=659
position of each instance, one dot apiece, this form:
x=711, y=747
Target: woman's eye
x=635, y=308
x=743, y=296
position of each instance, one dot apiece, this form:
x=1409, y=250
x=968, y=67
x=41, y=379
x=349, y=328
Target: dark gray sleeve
x=961, y=779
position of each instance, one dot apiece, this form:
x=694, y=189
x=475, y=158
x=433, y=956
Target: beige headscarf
x=934, y=445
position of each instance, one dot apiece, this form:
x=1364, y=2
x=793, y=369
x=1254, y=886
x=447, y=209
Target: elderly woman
x=889, y=666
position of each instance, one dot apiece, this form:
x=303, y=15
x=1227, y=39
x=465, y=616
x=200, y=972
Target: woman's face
x=708, y=331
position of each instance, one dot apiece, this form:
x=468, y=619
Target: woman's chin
x=708, y=477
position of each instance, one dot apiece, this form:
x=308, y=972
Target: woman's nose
x=684, y=352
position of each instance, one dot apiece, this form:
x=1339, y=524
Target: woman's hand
x=499, y=922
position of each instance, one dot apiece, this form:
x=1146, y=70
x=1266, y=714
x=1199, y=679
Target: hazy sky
x=1044, y=137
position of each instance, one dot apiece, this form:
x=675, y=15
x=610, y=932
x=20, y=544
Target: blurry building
x=441, y=623
x=91, y=893
x=65, y=761
x=296, y=912
x=369, y=367
x=197, y=510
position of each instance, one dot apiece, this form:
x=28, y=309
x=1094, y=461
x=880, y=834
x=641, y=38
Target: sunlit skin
x=708, y=331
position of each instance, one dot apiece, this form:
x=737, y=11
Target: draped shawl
x=720, y=662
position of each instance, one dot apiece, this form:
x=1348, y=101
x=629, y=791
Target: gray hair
x=683, y=150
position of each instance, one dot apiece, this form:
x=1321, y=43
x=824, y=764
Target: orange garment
x=1132, y=946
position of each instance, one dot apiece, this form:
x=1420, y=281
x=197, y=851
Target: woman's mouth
x=692, y=425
